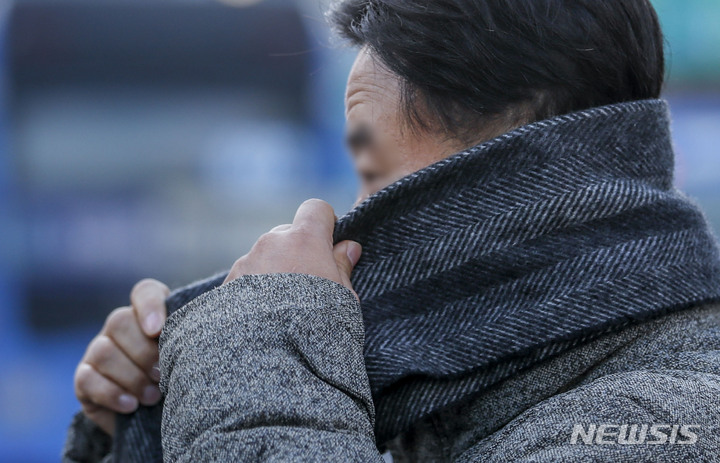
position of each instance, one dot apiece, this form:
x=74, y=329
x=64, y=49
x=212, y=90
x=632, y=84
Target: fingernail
x=153, y=323
x=127, y=402
x=151, y=394
x=155, y=372
x=353, y=252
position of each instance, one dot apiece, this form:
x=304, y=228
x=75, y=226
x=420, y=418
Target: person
x=519, y=281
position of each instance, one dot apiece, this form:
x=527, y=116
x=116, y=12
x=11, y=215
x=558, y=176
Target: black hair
x=470, y=61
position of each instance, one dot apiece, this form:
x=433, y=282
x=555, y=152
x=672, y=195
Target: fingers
x=92, y=388
x=347, y=254
x=117, y=372
x=107, y=359
x=317, y=217
x=148, y=300
x=281, y=228
x=304, y=247
x=237, y=270
x=124, y=329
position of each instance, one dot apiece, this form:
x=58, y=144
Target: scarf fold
x=506, y=254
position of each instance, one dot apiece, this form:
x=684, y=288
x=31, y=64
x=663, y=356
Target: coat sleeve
x=267, y=368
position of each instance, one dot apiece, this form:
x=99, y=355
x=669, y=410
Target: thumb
x=148, y=302
x=347, y=254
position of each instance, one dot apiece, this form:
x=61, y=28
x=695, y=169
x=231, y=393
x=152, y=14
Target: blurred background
x=160, y=138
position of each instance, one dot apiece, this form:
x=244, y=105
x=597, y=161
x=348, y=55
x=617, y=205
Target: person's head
x=436, y=76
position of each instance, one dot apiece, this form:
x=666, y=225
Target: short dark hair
x=473, y=60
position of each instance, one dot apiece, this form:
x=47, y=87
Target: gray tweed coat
x=564, y=227
x=270, y=368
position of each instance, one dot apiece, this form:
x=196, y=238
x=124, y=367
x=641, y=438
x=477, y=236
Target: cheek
x=394, y=152
x=424, y=150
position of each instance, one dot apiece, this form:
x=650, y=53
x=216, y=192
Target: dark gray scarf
x=503, y=255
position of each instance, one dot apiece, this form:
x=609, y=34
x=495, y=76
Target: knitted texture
x=506, y=254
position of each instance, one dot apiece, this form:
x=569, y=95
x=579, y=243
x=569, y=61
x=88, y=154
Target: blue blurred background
x=160, y=138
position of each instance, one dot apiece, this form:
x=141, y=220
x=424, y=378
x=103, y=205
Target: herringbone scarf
x=503, y=255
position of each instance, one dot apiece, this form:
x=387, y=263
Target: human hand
x=119, y=368
x=305, y=246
